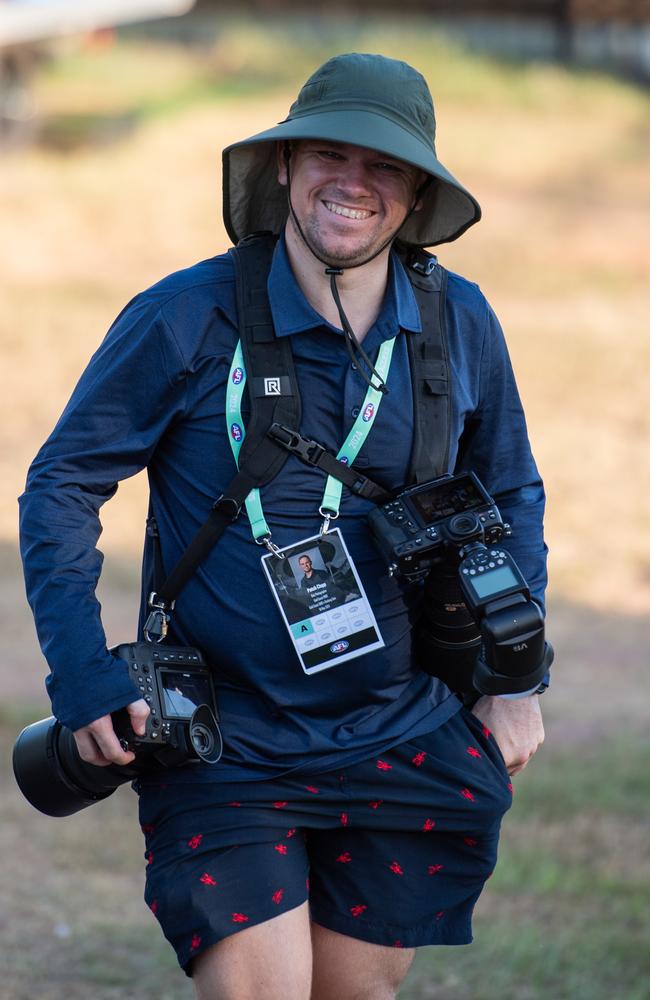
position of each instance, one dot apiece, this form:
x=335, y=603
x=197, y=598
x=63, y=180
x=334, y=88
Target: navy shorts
x=394, y=850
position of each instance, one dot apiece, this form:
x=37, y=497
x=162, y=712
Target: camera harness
x=264, y=363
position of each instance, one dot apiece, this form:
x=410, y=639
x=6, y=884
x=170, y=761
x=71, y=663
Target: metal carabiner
x=327, y=515
x=271, y=546
x=157, y=623
x=156, y=626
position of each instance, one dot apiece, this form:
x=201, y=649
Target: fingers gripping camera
x=177, y=686
x=182, y=727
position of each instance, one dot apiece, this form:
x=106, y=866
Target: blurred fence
x=613, y=35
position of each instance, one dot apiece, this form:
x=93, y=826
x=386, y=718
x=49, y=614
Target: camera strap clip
x=157, y=624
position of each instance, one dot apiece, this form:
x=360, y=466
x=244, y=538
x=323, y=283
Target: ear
x=283, y=166
x=424, y=182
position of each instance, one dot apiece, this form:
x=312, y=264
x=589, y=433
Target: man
x=355, y=813
x=317, y=585
x=311, y=576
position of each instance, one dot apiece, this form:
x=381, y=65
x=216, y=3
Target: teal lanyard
x=348, y=452
x=236, y=435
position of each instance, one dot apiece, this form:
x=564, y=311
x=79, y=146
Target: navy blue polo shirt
x=154, y=396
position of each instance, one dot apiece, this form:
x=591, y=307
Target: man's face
x=305, y=564
x=349, y=200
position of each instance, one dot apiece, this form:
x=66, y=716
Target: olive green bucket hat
x=364, y=100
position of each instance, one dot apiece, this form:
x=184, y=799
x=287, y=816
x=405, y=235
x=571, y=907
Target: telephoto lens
x=53, y=777
x=447, y=639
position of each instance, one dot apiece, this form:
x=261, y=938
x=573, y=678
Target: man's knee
x=349, y=969
x=270, y=961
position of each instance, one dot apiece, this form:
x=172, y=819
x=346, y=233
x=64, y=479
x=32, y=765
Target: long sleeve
x=132, y=389
x=495, y=445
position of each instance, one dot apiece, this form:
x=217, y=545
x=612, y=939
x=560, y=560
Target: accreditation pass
x=322, y=602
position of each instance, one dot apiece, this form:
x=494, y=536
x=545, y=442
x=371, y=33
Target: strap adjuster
x=424, y=264
x=221, y=507
x=156, y=602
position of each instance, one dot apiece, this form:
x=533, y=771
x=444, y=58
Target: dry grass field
x=123, y=187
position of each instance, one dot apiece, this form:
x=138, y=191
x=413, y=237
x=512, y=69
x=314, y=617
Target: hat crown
x=374, y=83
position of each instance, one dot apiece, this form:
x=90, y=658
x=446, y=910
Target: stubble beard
x=339, y=251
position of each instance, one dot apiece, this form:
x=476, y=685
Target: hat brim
x=254, y=200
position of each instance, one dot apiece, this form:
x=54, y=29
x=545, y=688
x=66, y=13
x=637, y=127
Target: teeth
x=348, y=213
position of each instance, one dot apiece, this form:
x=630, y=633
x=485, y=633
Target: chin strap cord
x=351, y=342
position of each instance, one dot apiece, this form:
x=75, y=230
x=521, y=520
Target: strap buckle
x=307, y=450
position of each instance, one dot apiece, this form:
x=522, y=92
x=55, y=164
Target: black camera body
x=480, y=630
x=177, y=685
x=182, y=728
x=428, y=524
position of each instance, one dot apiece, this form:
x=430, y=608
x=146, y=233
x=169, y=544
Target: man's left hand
x=516, y=725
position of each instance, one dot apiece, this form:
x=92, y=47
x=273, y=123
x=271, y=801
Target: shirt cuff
x=523, y=694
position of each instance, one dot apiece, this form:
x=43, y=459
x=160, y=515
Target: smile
x=347, y=213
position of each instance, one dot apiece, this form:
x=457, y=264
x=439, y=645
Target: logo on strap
x=368, y=412
x=236, y=432
x=272, y=387
x=237, y=376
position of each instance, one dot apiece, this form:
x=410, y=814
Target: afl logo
x=344, y=460
x=236, y=432
x=339, y=647
x=369, y=412
x=237, y=375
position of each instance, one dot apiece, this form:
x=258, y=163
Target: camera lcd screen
x=183, y=693
x=493, y=582
x=446, y=500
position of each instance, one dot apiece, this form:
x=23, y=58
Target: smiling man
x=310, y=575
x=352, y=201
x=355, y=813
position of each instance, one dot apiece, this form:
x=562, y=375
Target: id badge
x=322, y=602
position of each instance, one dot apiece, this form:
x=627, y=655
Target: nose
x=354, y=177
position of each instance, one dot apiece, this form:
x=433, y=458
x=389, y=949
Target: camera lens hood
x=51, y=774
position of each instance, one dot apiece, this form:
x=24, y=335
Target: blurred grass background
x=122, y=185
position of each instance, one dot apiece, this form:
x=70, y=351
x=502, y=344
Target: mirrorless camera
x=480, y=628
x=426, y=525
x=177, y=685
x=182, y=726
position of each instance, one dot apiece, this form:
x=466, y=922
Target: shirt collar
x=292, y=313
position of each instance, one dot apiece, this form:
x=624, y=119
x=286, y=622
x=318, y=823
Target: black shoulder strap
x=429, y=363
x=270, y=371
x=274, y=396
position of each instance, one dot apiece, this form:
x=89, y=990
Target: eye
x=392, y=168
x=329, y=154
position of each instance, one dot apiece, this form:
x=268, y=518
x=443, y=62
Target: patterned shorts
x=394, y=850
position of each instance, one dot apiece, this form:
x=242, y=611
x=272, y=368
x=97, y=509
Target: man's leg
x=270, y=961
x=348, y=969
